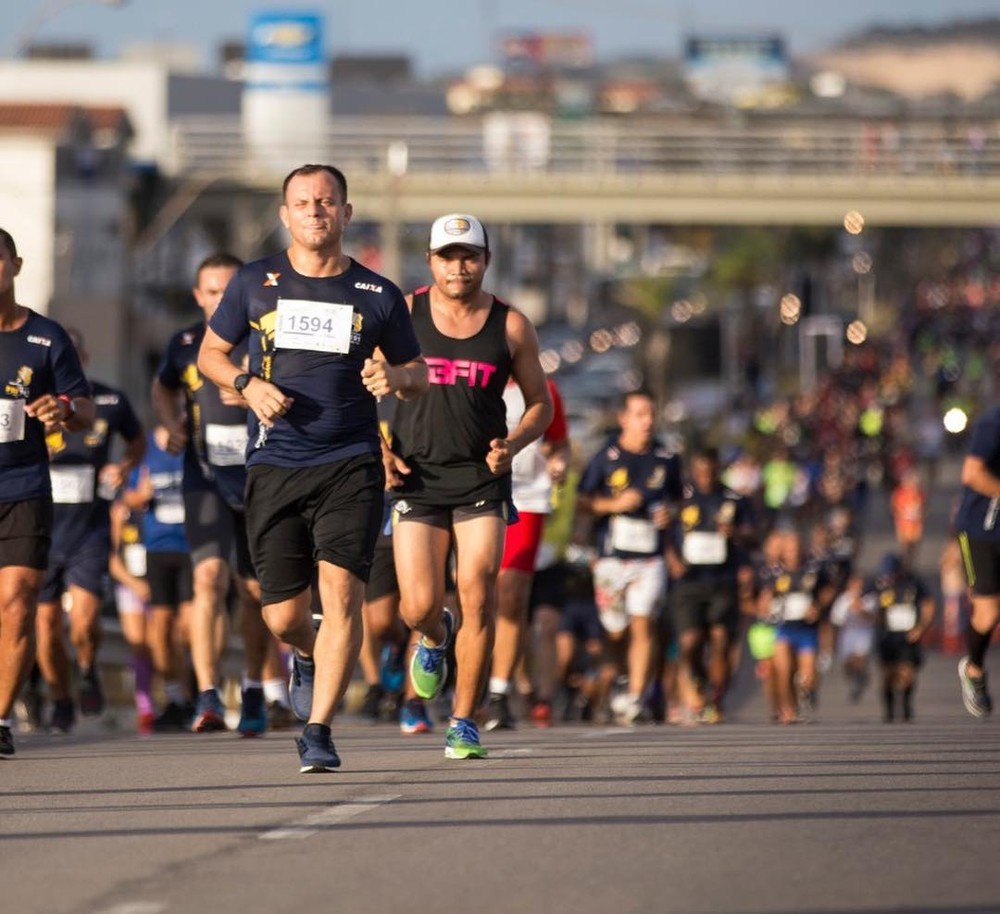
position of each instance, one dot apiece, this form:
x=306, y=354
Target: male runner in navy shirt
x=628, y=487
x=210, y=426
x=42, y=387
x=84, y=480
x=978, y=526
x=314, y=318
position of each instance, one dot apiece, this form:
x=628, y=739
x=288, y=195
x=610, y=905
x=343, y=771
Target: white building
x=64, y=198
x=150, y=91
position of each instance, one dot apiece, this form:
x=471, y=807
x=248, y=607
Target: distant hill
x=960, y=58
x=980, y=31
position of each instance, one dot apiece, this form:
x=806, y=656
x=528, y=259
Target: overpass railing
x=533, y=144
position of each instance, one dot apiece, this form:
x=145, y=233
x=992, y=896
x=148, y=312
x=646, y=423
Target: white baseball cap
x=458, y=229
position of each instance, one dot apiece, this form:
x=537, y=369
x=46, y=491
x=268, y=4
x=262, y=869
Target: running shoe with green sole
x=974, y=695
x=429, y=666
x=462, y=740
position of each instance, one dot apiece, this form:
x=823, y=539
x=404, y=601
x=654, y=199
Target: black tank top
x=444, y=436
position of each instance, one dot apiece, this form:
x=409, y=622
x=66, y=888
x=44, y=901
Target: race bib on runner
x=226, y=444
x=900, y=617
x=169, y=510
x=796, y=606
x=704, y=548
x=314, y=325
x=134, y=559
x=11, y=421
x=72, y=485
x=633, y=534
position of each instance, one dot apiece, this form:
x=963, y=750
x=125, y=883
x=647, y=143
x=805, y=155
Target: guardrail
x=524, y=144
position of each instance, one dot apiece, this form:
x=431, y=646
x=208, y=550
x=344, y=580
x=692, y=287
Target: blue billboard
x=285, y=53
x=285, y=38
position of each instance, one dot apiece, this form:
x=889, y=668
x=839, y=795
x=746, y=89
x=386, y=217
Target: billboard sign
x=285, y=50
x=533, y=51
x=735, y=70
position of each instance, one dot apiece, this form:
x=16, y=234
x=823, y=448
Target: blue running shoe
x=393, y=668
x=462, y=740
x=300, y=686
x=414, y=718
x=209, y=715
x=428, y=665
x=316, y=751
x=253, y=715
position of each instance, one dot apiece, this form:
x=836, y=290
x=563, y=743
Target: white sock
x=249, y=683
x=499, y=686
x=276, y=690
x=6, y=722
x=174, y=692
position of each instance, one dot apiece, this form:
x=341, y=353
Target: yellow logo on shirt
x=690, y=516
x=618, y=480
x=21, y=385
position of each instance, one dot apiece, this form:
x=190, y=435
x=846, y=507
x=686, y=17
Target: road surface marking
x=325, y=818
x=136, y=907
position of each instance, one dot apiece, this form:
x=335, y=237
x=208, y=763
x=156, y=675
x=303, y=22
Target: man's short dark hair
x=643, y=392
x=8, y=240
x=306, y=170
x=215, y=261
x=705, y=452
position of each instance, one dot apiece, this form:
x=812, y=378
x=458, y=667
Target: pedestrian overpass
x=619, y=171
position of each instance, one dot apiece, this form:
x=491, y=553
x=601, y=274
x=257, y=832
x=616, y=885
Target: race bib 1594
x=314, y=325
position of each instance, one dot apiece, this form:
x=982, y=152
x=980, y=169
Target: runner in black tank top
x=450, y=465
x=445, y=436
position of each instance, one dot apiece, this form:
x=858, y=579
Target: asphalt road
x=843, y=815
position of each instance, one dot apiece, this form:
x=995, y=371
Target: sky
x=447, y=37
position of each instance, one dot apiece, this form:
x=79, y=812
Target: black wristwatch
x=240, y=382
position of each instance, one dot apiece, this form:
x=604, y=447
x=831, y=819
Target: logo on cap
x=457, y=226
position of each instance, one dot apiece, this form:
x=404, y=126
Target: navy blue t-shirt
x=795, y=591
x=978, y=516
x=707, y=553
x=315, y=354
x=36, y=359
x=655, y=472
x=217, y=433
x=76, y=459
x=897, y=603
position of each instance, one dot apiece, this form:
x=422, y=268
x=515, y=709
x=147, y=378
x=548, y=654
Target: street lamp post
x=46, y=13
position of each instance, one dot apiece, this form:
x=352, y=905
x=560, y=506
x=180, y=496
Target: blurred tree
x=745, y=260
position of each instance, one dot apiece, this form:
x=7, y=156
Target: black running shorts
x=216, y=530
x=701, y=605
x=298, y=517
x=85, y=565
x=382, y=580
x=169, y=577
x=26, y=532
x=444, y=517
x=982, y=565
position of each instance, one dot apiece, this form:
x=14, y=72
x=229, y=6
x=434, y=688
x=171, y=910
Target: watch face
x=241, y=382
